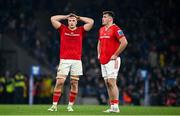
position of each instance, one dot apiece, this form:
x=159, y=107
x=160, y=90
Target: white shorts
x=111, y=69
x=72, y=66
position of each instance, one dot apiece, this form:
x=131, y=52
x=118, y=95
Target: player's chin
x=72, y=27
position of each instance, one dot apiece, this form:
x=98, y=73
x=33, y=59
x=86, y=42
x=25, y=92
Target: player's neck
x=109, y=24
x=72, y=29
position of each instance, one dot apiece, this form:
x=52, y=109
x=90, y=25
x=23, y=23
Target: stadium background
x=27, y=39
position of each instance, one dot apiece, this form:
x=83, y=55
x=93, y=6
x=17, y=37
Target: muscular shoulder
x=81, y=28
x=115, y=27
x=62, y=27
x=101, y=28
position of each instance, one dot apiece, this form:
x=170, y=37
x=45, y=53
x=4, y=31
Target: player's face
x=106, y=19
x=72, y=22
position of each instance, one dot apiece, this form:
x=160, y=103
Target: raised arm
x=55, y=20
x=88, y=22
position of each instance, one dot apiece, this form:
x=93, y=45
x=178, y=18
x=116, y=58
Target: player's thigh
x=110, y=82
x=76, y=68
x=103, y=71
x=59, y=82
x=74, y=80
x=60, y=79
x=64, y=67
x=112, y=68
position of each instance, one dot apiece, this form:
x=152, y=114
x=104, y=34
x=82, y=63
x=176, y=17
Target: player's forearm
x=86, y=20
x=55, y=20
x=121, y=47
x=59, y=17
x=98, y=49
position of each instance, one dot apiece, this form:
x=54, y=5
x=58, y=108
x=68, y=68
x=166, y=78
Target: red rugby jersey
x=109, y=42
x=71, y=42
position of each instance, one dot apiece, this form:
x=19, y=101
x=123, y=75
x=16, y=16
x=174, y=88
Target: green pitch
x=86, y=110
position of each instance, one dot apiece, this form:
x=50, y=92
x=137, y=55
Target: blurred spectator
x=9, y=88
x=20, y=87
x=153, y=57
x=2, y=88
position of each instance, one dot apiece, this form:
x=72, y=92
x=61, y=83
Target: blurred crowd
x=14, y=88
x=152, y=30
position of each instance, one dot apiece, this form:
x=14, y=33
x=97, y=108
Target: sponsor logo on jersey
x=71, y=34
x=105, y=36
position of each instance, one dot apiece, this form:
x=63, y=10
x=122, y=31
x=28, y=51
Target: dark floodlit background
x=150, y=69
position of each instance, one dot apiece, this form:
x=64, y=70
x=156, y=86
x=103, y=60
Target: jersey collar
x=106, y=28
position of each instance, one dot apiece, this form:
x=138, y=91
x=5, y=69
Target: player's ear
x=111, y=19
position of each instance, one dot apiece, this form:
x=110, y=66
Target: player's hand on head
x=67, y=16
x=72, y=14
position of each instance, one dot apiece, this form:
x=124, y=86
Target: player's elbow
x=126, y=42
x=52, y=18
x=92, y=22
x=89, y=25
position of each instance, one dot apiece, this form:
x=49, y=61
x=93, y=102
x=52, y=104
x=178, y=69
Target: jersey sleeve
x=82, y=29
x=61, y=28
x=118, y=33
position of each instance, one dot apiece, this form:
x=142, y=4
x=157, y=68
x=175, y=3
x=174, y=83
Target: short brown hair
x=72, y=15
x=110, y=13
